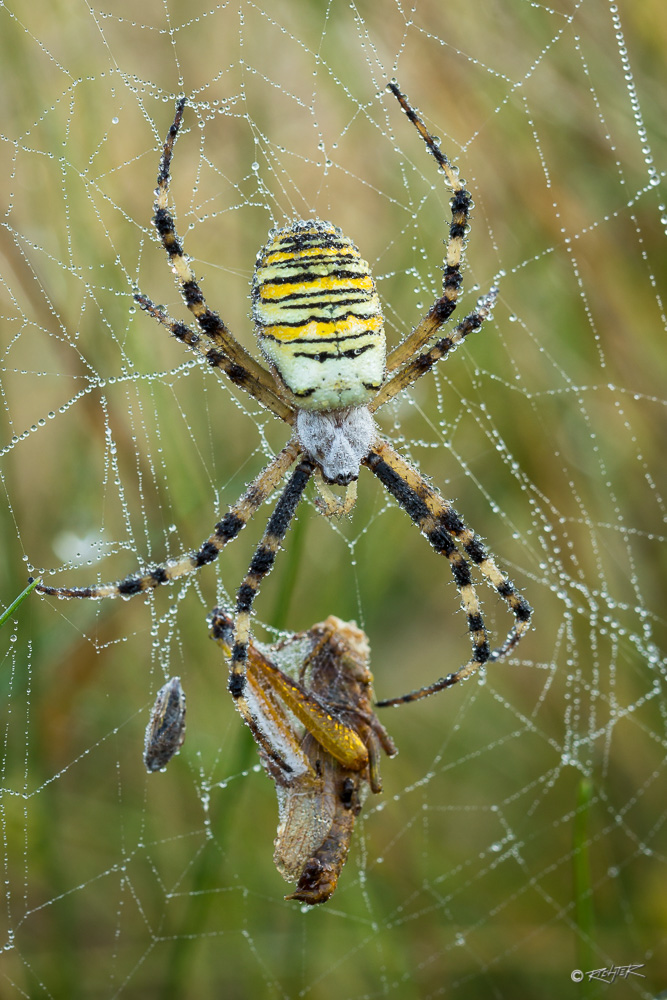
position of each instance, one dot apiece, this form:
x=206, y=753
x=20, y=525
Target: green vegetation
x=516, y=836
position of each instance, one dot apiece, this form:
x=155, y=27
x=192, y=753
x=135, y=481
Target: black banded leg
x=261, y=564
x=439, y=537
x=422, y=363
x=443, y=527
x=217, y=359
x=209, y=322
x=461, y=204
x=227, y=529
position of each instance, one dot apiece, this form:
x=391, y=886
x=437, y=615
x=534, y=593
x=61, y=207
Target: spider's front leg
x=225, y=531
x=261, y=564
x=442, y=526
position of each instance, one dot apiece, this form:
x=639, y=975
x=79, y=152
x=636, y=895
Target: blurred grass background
x=521, y=832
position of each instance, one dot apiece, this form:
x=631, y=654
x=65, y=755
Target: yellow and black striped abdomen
x=318, y=316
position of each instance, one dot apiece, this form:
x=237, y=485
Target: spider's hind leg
x=209, y=322
x=419, y=364
x=217, y=359
x=461, y=205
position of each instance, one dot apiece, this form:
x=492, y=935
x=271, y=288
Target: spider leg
x=228, y=528
x=461, y=203
x=439, y=522
x=423, y=363
x=237, y=374
x=209, y=322
x=260, y=565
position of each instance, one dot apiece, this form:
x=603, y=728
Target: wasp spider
x=320, y=327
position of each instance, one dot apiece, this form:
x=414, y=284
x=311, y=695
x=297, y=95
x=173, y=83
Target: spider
x=320, y=328
x=323, y=772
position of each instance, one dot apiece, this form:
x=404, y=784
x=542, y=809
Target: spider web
x=521, y=832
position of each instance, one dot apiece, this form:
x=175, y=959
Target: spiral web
x=521, y=832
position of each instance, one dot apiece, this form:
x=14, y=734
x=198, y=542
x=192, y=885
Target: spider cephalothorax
x=320, y=327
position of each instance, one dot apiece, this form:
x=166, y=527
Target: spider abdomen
x=318, y=316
